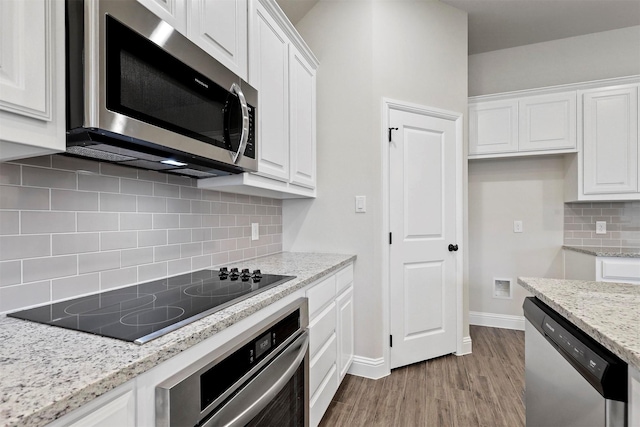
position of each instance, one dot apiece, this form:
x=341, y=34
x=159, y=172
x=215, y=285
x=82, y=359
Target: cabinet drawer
x=621, y=270
x=321, y=328
x=322, y=364
x=344, y=278
x=322, y=398
x=321, y=294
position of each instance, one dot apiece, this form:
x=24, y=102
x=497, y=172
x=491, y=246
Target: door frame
x=392, y=104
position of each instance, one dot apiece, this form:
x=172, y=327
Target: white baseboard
x=368, y=368
x=466, y=346
x=494, y=320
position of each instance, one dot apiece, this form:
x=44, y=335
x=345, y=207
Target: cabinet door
x=220, y=28
x=634, y=397
x=302, y=105
x=493, y=127
x=610, y=150
x=268, y=72
x=31, y=78
x=345, y=332
x=173, y=12
x=116, y=408
x=547, y=122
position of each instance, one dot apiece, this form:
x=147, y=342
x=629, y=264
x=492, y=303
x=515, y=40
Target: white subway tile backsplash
x=133, y=186
x=622, y=218
x=134, y=257
x=50, y=178
x=99, y=261
x=10, y=273
x=136, y=221
x=98, y=221
x=110, y=240
x=152, y=271
x=20, y=247
x=67, y=200
x=117, y=203
x=15, y=297
x=12, y=197
x=49, y=268
x=179, y=236
x=40, y=222
x=76, y=285
x=84, y=226
x=9, y=222
x=76, y=243
x=152, y=238
x=94, y=182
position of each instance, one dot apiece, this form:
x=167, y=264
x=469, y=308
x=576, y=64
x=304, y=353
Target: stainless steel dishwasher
x=571, y=380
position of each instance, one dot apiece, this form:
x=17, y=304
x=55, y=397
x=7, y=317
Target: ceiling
x=501, y=24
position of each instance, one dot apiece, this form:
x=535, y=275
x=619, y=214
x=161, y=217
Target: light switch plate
x=601, y=227
x=255, y=231
x=361, y=204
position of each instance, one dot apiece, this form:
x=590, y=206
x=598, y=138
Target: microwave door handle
x=244, y=136
x=263, y=388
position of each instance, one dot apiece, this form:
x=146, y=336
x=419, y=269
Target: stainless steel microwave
x=141, y=94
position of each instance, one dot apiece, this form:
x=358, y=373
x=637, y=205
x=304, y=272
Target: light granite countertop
x=607, y=312
x=601, y=251
x=48, y=371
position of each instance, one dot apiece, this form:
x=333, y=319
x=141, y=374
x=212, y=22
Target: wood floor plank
x=485, y=389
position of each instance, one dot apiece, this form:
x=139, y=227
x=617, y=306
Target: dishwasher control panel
x=574, y=348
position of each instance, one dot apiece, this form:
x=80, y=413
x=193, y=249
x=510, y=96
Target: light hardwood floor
x=485, y=388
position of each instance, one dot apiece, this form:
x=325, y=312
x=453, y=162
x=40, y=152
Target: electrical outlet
x=601, y=227
x=517, y=226
x=255, y=231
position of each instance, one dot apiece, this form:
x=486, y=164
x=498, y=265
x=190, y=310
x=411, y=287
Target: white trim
x=628, y=80
x=494, y=320
x=387, y=105
x=369, y=368
x=466, y=347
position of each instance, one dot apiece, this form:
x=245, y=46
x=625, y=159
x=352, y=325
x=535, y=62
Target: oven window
x=287, y=408
x=148, y=84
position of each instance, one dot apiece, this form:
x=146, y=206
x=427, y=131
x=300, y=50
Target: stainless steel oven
x=260, y=378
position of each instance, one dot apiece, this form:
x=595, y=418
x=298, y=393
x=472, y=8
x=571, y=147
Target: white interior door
x=422, y=214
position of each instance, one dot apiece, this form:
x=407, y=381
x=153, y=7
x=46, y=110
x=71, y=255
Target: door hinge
x=390, y=237
x=391, y=129
x=390, y=340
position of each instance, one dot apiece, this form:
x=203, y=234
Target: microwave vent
x=193, y=172
x=97, y=154
x=126, y=152
x=145, y=164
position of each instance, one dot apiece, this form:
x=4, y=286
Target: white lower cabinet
x=330, y=338
x=116, y=408
x=581, y=266
x=633, y=410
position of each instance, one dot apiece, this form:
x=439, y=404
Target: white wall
x=530, y=189
x=406, y=50
x=596, y=56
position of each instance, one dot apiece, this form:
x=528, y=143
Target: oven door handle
x=260, y=391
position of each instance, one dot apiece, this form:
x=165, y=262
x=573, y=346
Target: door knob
x=453, y=248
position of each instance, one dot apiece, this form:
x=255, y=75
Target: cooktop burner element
x=140, y=313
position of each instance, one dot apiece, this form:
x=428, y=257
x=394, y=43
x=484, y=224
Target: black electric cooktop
x=146, y=311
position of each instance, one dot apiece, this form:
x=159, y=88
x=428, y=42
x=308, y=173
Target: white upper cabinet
x=219, y=27
x=607, y=166
x=269, y=73
x=547, y=122
x=493, y=127
x=31, y=78
x=610, y=144
x=283, y=70
x=518, y=125
x=302, y=104
x=173, y=12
